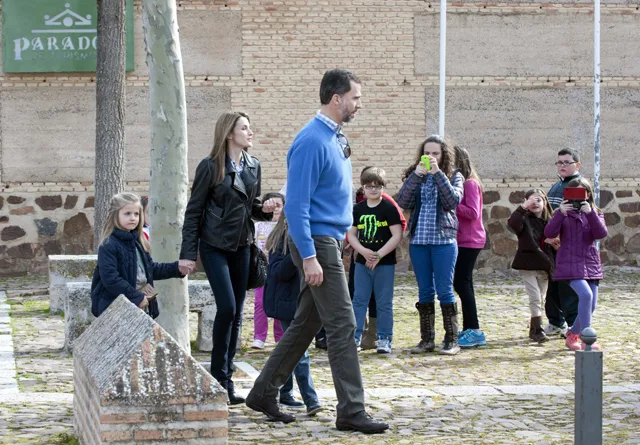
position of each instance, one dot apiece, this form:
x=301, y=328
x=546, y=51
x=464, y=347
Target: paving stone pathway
x=8, y=382
x=511, y=392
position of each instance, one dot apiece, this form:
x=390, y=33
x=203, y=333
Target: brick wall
x=511, y=103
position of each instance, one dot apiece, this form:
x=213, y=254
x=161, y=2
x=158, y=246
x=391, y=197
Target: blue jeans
x=433, y=266
x=380, y=280
x=303, y=377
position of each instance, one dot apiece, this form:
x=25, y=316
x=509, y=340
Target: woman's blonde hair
x=224, y=127
x=117, y=202
x=278, y=235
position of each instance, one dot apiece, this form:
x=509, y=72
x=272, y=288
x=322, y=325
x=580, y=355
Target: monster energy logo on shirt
x=368, y=226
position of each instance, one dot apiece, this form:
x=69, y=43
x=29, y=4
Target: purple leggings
x=587, y=291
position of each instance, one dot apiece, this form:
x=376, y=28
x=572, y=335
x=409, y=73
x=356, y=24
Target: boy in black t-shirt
x=375, y=234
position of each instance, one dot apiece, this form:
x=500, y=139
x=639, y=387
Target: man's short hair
x=571, y=152
x=373, y=175
x=336, y=81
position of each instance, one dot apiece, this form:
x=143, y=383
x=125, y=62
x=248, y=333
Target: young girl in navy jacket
x=124, y=264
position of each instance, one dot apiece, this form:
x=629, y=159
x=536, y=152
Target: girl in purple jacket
x=578, y=258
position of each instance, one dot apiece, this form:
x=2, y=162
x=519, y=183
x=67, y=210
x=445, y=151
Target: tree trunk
x=169, y=171
x=110, y=103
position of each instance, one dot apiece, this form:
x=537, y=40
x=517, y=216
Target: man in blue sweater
x=319, y=213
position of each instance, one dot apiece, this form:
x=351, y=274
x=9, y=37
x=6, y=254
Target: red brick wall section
x=175, y=423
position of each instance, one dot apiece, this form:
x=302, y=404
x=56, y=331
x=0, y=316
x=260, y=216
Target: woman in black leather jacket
x=224, y=200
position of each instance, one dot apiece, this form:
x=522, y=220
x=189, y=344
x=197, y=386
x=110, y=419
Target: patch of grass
x=64, y=439
x=36, y=306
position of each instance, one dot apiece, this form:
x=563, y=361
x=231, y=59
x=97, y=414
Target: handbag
x=258, y=263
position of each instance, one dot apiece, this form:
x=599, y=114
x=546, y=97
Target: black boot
x=450, y=321
x=536, y=332
x=234, y=399
x=427, y=313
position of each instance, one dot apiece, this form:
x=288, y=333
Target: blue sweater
x=318, y=187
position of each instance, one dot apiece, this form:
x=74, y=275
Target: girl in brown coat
x=534, y=257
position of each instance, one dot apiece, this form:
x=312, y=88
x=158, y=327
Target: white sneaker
x=257, y=344
x=552, y=329
x=384, y=346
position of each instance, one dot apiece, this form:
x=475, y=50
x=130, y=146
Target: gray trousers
x=330, y=305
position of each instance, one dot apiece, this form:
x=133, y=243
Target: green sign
x=43, y=36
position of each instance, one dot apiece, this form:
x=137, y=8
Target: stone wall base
x=35, y=224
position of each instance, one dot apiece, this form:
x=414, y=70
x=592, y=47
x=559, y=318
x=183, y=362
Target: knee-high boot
x=427, y=313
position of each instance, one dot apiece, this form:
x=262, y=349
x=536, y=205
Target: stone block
x=11, y=233
x=630, y=207
x=49, y=202
x=606, y=197
x=76, y=279
x=77, y=312
x=611, y=219
x=70, y=202
x=201, y=300
x=46, y=227
x=65, y=269
x=633, y=245
x=77, y=225
x=500, y=212
x=130, y=375
x=615, y=243
x=27, y=210
x=564, y=44
x=490, y=197
x=520, y=121
x=504, y=246
x=72, y=111
x=632, y=221
x=624, y=194
x=516, y=197
x=24, y=251
x=15, y=199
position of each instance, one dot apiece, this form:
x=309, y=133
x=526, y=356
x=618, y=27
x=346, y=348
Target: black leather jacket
x=221, y=215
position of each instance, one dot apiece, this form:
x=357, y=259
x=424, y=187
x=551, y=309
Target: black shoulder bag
x=258, y=264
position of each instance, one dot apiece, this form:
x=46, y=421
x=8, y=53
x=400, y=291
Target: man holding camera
x=561, y=305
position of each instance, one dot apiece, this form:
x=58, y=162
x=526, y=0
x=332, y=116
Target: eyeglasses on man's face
x=565, y=163
x=344, y=144
x=373, y=187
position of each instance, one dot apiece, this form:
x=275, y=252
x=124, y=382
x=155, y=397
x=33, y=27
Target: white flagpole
x=596, y=100
x=443, y=58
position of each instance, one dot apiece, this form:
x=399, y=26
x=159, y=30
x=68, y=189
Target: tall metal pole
x=596, y=100
x=443, y=59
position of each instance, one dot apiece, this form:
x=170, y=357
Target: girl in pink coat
x=578, y=258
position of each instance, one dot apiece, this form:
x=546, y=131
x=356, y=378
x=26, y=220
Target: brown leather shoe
x=361, y=422
x=268, y=407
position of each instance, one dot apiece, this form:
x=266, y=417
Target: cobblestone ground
x=510, y=392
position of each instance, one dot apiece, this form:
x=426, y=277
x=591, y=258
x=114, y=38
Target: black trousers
x=463, y=285
x=561, y=303
x=228, y=274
